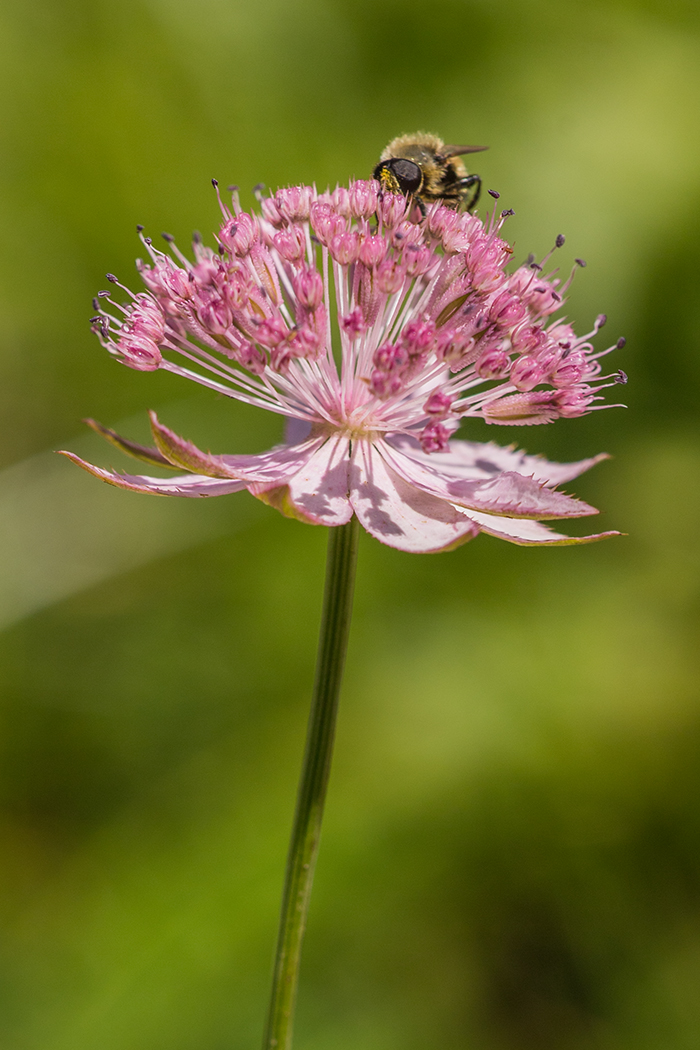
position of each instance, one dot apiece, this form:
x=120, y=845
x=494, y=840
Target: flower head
x=430, y=327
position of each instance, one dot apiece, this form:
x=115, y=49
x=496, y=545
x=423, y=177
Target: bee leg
x=420, y=205
x=466, y=184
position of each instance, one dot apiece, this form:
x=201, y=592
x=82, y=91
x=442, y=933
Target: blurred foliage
x=511, y=854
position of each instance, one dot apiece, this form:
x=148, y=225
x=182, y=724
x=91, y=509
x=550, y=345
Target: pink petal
x=143, y=452
x=530, y=533
x=400, y=515
x=185, y=455
x=509, y=494
x=182, y=485
x=473, y=460
x=318, y=492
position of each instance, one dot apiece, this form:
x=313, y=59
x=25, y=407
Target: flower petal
x=400, y=515
x=146, y=453
x=473, y=460
x=530, y=533
x=318, y=492
x=182, y=485
x=185, y=455
x=508, y=493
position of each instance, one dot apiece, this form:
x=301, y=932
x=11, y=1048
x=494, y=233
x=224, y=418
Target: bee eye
x=407, y=174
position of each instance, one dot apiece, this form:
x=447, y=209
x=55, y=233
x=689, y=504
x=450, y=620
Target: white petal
x=318, y=492
x=473, y=460
x=181, y=485
x=507, y=493
x=399, y=514
x=530, y=533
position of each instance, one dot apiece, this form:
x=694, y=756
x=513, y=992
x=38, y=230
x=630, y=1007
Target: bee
x=422, y=166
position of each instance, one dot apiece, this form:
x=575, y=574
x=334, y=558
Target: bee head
x=398, y=175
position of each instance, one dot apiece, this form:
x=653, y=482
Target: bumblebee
x=422, y=166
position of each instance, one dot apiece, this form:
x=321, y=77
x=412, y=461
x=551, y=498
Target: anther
x=507, y=212
x=196, y=237
x=232, y=189
x=620, y=377
x=556, y=296
x=148, y=240
x=600, y=320
x=95, y=303
x=139, y=228
x=111, y=278
x=621, y=342
x=560, y=240
x=535, y=266
x=215, y=183
x=493, y=194
x=168, y=237
x=581, y=263
x=103, y=295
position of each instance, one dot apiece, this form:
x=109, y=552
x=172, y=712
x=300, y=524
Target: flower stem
x=303, y=847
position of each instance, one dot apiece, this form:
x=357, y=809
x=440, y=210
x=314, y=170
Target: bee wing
x=458, y=151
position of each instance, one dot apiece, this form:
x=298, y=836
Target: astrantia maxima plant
x=377, y=332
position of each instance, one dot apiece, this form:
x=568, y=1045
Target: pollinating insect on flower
x=378, y=319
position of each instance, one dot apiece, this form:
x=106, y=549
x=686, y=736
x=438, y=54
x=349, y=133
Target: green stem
x=303, y=846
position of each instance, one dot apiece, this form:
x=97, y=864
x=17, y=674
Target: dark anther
x=95, y=320
x=232, y=189
x=139, y=228
x=95, y=303
x=560, y=240
x=535, y=266
x=110, y=277
x=621, y=342
x=215, y=183
x=621, y=377
x=581, y=263
x=493, y=194
x=555, y=295
x=148, y=240
x=507, y=212
x=196, y=237
x=540, y=290
x=168, y=237
x=103, y=295
x=601, y=319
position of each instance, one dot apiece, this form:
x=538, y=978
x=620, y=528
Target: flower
x=431, y=329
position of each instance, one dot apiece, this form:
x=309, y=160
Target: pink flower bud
x=373, y=250
x=526, y=372
x=390, y=276
x=363, y=198
x=240, y=234
x=493, y=364
x=353, y=323
x=271, y=332
x=294, y=203
x=435, y=438
x=308, y=287
x=290, y=243
x=345, y=247
x=141, y=354
x=391, y=209
x=438, y=404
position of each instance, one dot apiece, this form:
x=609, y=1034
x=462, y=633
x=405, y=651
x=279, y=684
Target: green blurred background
x=511, y=854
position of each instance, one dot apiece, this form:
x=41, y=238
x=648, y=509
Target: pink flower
x=432, y=329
